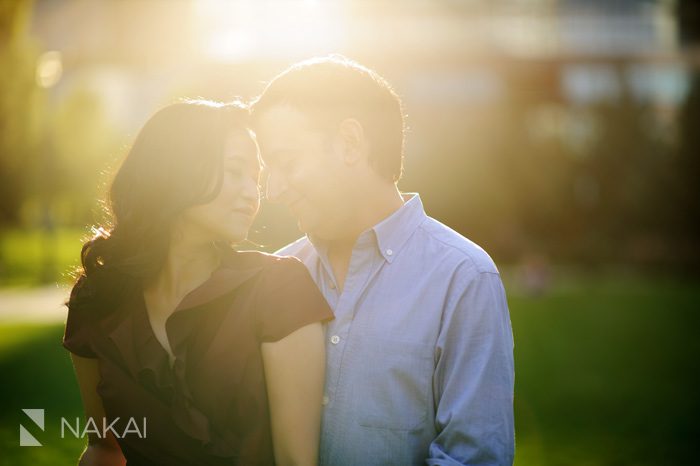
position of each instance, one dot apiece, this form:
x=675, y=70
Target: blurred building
x=137, y=54
x=537, y=107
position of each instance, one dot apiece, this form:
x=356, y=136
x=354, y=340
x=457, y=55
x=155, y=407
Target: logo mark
x=25, y=438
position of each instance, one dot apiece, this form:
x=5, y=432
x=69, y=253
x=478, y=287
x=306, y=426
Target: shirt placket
x=344, y=303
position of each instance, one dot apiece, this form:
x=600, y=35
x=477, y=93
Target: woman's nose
x=251, y=189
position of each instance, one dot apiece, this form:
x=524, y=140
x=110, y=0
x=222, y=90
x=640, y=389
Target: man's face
x=305, y=171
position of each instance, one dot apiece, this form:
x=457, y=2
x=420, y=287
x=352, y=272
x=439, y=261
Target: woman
x=194, y=353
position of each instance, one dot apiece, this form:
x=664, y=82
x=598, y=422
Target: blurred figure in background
x=420, y=354
x=220, y=352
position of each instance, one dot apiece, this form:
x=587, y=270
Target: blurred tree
x=20, y=107
x=629, y=162
x=587, y=184
x=687, y=176
x=84, y=148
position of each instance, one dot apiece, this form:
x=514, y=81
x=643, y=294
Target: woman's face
x=229, y=216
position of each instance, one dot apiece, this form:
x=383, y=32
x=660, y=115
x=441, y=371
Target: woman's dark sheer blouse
x=211, y=406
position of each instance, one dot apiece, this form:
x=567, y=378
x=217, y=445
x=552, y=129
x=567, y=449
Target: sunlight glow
x=49, y=68
x=238, y=30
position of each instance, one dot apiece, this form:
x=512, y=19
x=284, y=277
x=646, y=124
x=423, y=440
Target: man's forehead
x=282, y=130
x=282, y=117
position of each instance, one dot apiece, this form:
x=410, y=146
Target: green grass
x=37, y=373
x=605, y=375
x=33, y=257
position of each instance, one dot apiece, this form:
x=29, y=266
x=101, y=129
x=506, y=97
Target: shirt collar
x=389, y=236
x=393, y=232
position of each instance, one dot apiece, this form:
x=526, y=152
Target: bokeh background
x=561, y=135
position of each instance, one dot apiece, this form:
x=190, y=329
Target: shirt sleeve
x=77, y=336
x=288, y=299
x=474, y=378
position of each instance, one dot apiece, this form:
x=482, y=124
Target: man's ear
x=351, y=140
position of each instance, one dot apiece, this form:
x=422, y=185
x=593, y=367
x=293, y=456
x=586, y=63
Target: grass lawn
x=33, y=257
x=605, y=375
x=36, y=373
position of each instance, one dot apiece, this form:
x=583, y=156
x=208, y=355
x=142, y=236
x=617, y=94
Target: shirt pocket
x=394, y=385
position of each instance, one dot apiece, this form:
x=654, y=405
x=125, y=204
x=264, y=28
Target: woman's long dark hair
x=176, y=162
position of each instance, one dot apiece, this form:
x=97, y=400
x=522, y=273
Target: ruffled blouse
x=210, y=406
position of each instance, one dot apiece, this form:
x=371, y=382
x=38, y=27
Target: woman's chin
x=237, y=236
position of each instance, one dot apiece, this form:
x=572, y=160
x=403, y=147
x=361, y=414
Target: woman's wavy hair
x=176, y=162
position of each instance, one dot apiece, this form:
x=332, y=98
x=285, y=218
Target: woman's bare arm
x=99, y=451
x=294, y=370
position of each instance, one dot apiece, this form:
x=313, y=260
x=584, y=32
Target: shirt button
x=325, y=400
x=335, y=339
x=332, y=286
x=389, y=252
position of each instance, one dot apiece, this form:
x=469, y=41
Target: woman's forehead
x=240, y=145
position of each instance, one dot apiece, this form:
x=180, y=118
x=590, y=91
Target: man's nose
x=276, y=186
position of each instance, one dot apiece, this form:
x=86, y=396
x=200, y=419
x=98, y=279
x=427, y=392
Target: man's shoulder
x=300, y=248
x=453, y=246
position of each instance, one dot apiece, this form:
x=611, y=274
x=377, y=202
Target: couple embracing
x=382, y=337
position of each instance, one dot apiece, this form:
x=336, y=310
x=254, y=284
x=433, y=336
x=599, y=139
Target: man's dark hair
x=330, y=89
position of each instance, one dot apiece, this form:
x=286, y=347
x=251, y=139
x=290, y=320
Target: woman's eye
x=239, y=174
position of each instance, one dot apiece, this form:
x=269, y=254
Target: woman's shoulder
x=275, y=272
x=287, y=297
x=270, y=263
x=270, y=273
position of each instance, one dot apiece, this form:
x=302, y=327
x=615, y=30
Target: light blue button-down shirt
x=420, y=354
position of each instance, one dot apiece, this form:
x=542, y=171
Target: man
x=420, y=354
